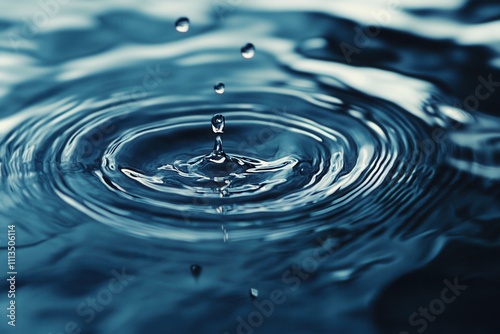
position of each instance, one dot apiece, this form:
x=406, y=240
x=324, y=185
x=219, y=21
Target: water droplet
x=218, y=123
x=182, y=24
x=219, y=88
x=305, y=168
x=196, y=270
x=254, y=293
x=248, y=51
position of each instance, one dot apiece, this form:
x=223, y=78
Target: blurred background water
x=368, y=197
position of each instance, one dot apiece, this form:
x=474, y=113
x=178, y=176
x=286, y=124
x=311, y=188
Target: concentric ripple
x=123, y=139
x=359, y=160
x=320, y=163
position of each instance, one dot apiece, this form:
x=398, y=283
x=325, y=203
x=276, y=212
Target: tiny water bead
x=182, y=24
x=305, y=168
x=248, y=51
x=195, y=270
x=254, y=293
x=219, y=88
x=218, y=123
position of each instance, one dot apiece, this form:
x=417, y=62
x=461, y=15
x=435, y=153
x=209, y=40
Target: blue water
x=355, y=188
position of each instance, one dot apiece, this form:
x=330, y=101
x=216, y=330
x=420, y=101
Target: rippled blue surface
x=370, y=136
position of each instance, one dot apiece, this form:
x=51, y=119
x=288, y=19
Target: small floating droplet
x=254, y=293
x=248, y=51
x=219, y=88
x=182, y=24
x=196, y=270
x=218, y=123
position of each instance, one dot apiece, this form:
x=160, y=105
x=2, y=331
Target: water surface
x=359, y=178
